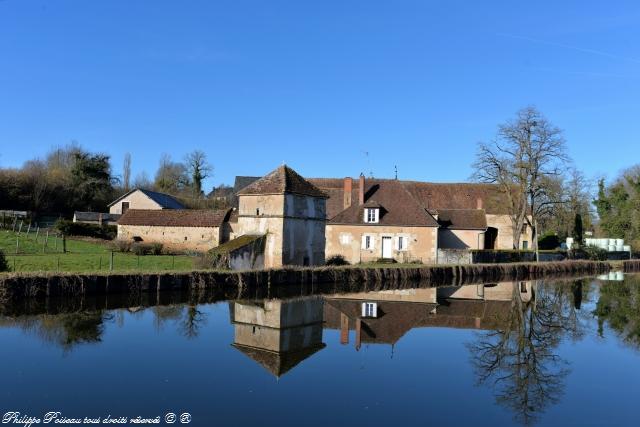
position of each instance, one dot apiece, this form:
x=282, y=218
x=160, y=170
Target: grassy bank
x=28, y=253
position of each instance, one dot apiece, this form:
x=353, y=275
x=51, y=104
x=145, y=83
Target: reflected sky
x=512, y=353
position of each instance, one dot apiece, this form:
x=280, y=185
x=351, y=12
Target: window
x=371, y=215
x=369, y=309
x=401, y=243
x=345, y=239
x=368, y=242
x=125, y=207
x=525, y=244
x=257, y=211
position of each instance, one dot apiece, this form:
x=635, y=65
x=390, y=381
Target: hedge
x=70, y=228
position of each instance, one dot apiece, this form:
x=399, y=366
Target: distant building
x=143, y=199
x=178, y=229
x=96, y=218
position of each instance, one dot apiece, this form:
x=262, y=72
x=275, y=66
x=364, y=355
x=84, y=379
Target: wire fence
x=95, y=262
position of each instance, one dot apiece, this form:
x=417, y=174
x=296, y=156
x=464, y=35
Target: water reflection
x=514, y=349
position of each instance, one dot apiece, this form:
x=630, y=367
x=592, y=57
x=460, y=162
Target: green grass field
x=81, y=256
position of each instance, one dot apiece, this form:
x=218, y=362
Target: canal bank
x=268, y=283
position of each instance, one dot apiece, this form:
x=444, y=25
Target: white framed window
x=368, y=242
x=371, y=215
x=402, y=243
x=369, y=309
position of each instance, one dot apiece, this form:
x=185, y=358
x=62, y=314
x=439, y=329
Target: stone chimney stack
x=344, y=329
x=479, y=204
x=361, y=190
x=348, y=188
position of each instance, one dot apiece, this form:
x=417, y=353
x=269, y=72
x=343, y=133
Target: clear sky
x=316, y=84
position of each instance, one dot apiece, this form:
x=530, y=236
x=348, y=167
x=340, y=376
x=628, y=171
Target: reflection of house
x=398, y=311
x=143, y=199
x=278, y=334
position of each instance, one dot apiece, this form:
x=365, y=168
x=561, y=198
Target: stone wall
x=137, y=200
x=177, y=238
x=505, y=232
x=346, y=240
x=460, y=239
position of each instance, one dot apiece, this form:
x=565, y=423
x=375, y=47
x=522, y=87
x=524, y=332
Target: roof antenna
x=396, y=168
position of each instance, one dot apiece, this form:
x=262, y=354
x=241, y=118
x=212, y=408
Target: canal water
x=547, y=353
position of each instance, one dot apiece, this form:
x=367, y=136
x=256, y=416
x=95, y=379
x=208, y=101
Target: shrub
x=336, y=260
x=588, y=252
x=156, y=248
x=121, y=245
x=549, y=242
x=141, y=248
x=4, y=266
x=70, y=228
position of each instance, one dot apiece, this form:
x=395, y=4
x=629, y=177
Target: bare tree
x=199, y=169
x=171, y=176
x=126, y=171
x=526, y=153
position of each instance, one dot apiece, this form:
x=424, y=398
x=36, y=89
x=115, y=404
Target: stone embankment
x=220, y=285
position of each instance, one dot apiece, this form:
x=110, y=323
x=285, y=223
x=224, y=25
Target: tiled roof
x=280, y=181
x=175, y=217
x=164, y=200
x=430, y=195
x=243, y=181
x=462, y=219
x=279, y=363
x=397, y=207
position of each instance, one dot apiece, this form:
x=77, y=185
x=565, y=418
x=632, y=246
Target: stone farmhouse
x=176, y=229
x=284, y=219
x=143, y=199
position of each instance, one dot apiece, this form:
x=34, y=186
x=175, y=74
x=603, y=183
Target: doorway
x=386, y=248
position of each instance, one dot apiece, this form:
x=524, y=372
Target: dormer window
x=371, y=215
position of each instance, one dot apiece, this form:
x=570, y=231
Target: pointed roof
x=397, y=207
x=280, y=181
x=278, y=363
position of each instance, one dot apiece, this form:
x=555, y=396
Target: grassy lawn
x=81, y=256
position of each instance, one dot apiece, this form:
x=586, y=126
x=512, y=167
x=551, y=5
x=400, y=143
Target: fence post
x=58, y=267
x=14, y=264
x=17, y=243
x=28, y=228
x=111, y=262
x=20, y=228
x=173, y=262
x=46, y=240
x=100, y=262
x=37, y=233
x=64, y=244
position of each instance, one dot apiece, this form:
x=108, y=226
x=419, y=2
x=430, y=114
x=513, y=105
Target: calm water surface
x=539, y=353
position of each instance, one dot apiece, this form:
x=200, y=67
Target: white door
x=386, y=247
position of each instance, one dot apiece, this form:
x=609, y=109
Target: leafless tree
x=171, y=176
x=199, y=169
x=126, y=171
x=525, y=154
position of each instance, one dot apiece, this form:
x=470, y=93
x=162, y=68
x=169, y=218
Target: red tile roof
x=280, y=181
x=175, y=217
x=462, y=219
x=397, y=207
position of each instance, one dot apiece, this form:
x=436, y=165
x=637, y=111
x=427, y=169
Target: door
x=386, y=247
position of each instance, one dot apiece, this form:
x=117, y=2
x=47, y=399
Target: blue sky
x=316, y=84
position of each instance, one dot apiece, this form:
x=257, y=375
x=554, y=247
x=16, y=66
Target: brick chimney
x=344, y=329
x=479, y=203
x=361, y=190
x=348, y=188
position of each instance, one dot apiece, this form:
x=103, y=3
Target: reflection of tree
x=65, y=330
x=520, y=359
x=189, y=319
x=192, y=321
x=619, y=306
